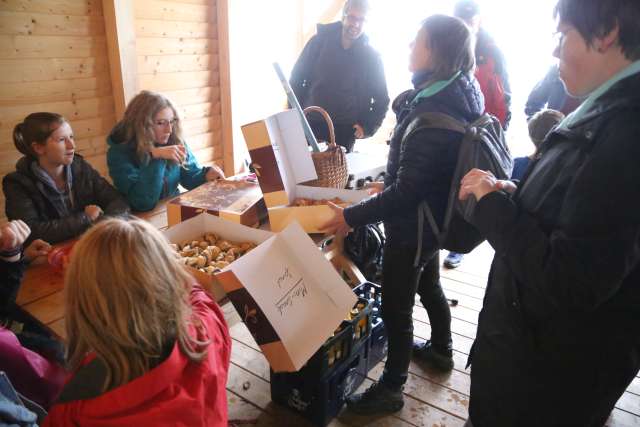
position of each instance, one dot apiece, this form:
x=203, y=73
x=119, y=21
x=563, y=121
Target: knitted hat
x=466, y=9
x=543, y=122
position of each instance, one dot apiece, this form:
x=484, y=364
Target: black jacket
x=420, y=168
x=10, y=276
x=559, y=334
x=349, y=84
x=26, y=202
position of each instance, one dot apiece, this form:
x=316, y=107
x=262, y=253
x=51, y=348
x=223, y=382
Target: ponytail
x=36, y=127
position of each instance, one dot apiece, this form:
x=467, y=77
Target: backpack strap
x=432, y=120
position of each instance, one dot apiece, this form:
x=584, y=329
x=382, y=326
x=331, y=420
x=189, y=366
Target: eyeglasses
x=163, y=122
x=559, y=36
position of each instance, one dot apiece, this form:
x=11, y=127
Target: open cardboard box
x=194, y=228
x=289, y=296
x=234, y=200
x=281, y=160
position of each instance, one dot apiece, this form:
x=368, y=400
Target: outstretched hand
x=337, y=225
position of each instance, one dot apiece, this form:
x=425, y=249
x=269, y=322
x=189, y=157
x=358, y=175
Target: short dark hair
x=466, y=9
x=36, y=127
x=596, y=18
x=358, y=4
x=451, y=44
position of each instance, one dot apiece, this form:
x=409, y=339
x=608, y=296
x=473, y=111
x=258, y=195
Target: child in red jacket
x=147, y=347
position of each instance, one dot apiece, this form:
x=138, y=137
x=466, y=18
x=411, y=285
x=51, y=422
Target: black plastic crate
x=360, y=324
x=328, y=357
x=371, y=292
x=320, y=401
x=378, y=344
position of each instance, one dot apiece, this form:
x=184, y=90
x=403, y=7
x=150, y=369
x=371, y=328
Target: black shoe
x=377, y=399
x=437, y=359
x=453, y=260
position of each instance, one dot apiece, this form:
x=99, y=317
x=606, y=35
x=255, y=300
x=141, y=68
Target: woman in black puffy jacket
x=419, y=168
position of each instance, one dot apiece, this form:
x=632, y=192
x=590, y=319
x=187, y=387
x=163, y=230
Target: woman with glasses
x=53, y=189
x=558, y=339
x=147, y=155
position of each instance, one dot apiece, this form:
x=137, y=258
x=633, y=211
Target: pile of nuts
x=211, y=253
x=303, y=201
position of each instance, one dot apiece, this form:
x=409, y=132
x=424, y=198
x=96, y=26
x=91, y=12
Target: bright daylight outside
x=523, y=30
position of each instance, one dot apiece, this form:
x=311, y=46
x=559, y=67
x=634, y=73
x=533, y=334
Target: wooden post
x=224, y=72
x=119, y=22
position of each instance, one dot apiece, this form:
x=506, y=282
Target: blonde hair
x=137, y=124
x=127, y=298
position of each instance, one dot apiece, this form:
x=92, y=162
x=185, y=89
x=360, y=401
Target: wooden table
x=41, y=290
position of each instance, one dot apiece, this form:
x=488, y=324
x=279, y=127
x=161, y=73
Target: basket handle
x=327, y=118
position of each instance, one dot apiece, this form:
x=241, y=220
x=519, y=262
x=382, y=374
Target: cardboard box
x=234, y=200
x=281, y=160
x=197, y=226
x=289, y=296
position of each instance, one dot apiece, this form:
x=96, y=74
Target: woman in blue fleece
x=147, y=155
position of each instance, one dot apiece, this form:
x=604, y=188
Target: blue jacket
x=421, y=167
x=549, y=93
x=144, y=185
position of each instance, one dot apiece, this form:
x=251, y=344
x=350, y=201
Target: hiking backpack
x=483, y=146
x=364, y=247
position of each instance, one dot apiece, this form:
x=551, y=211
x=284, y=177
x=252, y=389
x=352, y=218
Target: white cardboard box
x=289, y=296
x=196, y=227
x=282, y=161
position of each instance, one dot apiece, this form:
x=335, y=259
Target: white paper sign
x=298, y=290
x=291, y=150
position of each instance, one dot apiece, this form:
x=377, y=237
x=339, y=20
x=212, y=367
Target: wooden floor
x=432, y=399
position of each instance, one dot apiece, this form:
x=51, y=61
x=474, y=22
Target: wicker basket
x=331, y=164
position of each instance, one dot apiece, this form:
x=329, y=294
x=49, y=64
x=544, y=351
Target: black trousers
x=401, y=282
x=344, y=133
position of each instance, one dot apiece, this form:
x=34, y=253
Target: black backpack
x=364, y=246
x=483, y=146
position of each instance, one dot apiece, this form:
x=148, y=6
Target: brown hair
x=126, y=298
x=452, y=46
x=541, y=123
x=36, y=128
x=136, y=126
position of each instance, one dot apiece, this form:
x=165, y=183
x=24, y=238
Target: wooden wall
x=58, y=55
x=178, y=53
x=53, y=57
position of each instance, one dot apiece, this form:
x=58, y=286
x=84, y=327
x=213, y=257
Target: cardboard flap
x=297, y=289
x=280, y=156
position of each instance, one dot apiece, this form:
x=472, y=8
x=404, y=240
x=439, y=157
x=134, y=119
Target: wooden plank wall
x=53, y=57
x=178, y=55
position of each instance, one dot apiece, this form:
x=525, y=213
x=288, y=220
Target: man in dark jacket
x=558, y=340
x=339, y=71
x=31, y=198
x=550, y=93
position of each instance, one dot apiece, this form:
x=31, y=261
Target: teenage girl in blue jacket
x=147, y=155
